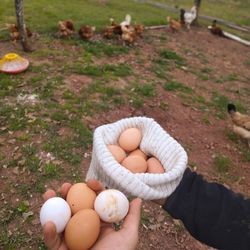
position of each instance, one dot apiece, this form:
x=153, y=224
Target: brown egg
x=130, y=139
x=154, y=166
x=139, y=153
x=80, y=196
x=135, y=163
x=82, y=230
x=118, y=153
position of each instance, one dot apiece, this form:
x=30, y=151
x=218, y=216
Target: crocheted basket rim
x=156, y=142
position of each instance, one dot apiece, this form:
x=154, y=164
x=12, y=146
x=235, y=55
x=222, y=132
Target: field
x=183, y=80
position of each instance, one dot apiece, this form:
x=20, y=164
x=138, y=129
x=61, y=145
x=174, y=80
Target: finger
x=49, y=194
x=95, y=185
x=51, y=239
x=65, y=189
x=132, y=220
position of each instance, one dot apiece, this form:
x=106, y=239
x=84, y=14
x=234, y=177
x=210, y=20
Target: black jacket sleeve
x=211, y=213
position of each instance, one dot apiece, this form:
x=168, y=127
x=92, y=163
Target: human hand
x=125, y=239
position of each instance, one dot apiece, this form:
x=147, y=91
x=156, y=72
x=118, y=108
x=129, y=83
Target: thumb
x=51, y=237
x=132, y=220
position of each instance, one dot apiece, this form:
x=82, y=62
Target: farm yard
x=184, y=80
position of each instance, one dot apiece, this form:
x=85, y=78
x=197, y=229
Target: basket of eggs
x=138, y=157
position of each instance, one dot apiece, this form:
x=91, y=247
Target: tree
x=21, y=25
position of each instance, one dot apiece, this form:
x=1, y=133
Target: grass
x=177, y=86
x=172, y=56
x=100, y=48
x=102, y=70
x=146, y=90
x=224, y=9
x=93, y=12
x=222, y=163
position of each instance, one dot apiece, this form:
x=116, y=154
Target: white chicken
x=127, y=21
x=188, y=17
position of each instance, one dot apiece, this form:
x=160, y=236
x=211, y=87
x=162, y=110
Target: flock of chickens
x=125, y=30
x=129, y=33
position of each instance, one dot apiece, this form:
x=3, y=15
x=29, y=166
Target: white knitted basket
x=156, y=142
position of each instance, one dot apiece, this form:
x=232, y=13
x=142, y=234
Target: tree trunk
x=21, y=25
x=197, y=3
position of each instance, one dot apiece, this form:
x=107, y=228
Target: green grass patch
x=120, y=70
x=160, y=70
x=52, y=170
x=100, y=48
x=146, y=90
x=137, y=102
x=220, y=103
x=222, y=163
x=14, y=117
x=23, y=207
x=31, y=162
x=8, y=84
x=177, y=86
x=172, y=56
x=63, y=149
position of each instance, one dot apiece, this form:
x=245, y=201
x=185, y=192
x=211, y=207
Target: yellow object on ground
x=13, y=63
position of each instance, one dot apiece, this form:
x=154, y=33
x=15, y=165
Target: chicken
x=14, y=33
x=139, y=29
x=173, y=24
x=241, y=123
x=66, y=28
x=108, y=32
x=188, y=17
x=86, y=32
x=127, y=21
x=116, y=27
x=215, y=29
x=128, y=34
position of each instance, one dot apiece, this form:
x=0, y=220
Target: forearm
x=211, y=213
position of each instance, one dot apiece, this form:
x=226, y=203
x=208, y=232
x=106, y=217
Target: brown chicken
x=117, y=30
x=139, y=29
x=215, y=30
x=86, y=32
x=66, y=28
x=108, y=32
x=128, y=34
x=173, y=24
x=241, y=123
x=14, y=33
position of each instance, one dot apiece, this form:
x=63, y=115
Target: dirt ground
x=214, y=65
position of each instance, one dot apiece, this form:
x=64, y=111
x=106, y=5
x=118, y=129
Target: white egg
x=111, y=205
x=56, y=210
